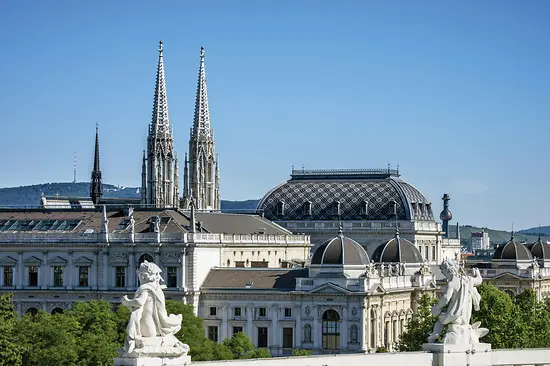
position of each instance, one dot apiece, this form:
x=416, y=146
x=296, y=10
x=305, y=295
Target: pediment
x=32, y=261
x=83, y=261
x=329, y=288
x=57, y=261
x=119, y=259
x=377, y=289
x=172, y=259
x=7, y=261
x=432, y=285
x=507, y=275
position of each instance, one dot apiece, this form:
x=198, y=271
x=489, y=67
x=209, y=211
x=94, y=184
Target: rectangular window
x=213, y=333
x=426, y=252
x=262, y=312
x=259, y=264
x=213, y=311
x=288, y=338
x=433, y=252
x=58, y=276
x=239, y=264
x=288, y=312
x=83, y=276
x=8, y=276
x=33, y=276
x=120, y=276
x=237, y=312
x=172, y=277
x=237, y=330
x=262, y=337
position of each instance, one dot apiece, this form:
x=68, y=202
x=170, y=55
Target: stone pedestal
x=478, y=354
x=153, y=361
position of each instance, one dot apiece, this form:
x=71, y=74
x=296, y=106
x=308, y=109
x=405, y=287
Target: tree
x=301, y=352
x=241, y=347
x=419, y=327
x=98, y=339
x=10, y=350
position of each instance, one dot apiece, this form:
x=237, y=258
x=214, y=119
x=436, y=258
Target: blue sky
x=457, y=93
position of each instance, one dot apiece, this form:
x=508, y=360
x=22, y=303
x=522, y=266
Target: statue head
x=148, y=272
x=449, y=268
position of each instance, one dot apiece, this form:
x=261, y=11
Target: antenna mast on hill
x=74, y=171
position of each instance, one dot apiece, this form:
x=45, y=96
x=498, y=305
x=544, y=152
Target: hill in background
x=29, y=196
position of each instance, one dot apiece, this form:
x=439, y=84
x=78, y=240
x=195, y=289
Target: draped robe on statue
x=459, y=308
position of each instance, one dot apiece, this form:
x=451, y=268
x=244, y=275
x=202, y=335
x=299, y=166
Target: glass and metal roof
x=38, y=225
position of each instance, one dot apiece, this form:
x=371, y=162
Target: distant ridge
x=29, y=196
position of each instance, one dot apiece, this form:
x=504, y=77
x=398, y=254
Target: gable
x=82, y=261
x=57, y=261
x=32, y=261
x=7, y=261
x=119, y=258
x=170, y=258
x=506, y=276
x=377, y=289
x=329, y=288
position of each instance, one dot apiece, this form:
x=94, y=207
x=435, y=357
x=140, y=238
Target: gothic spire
x=96, y=184
x=160, y=121
x=201, y=123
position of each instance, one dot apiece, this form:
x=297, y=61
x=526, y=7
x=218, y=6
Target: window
x=307, y=208
x=213, y=333
x=364, y=208
x=307, y=333
x=288, y=338
x=262, y=337
x=239, y=264
x=58, y=276
x=433, y=253
x=336, y=208
x=237, y=312
x=8, y=276
x=426, y=252
x=33, y=276
x=120, y=276
x=83, y=276
x=392, y=208
x=280, y=208
x=263, y=312
x=213, y=311
x=331, y=330
x=354, y=334
x=172, y=277
x=386, y=333
x=237, y=330
x=288, y=312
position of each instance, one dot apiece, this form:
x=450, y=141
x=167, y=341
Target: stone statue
x=535, y=263
x=459, y=295
x=156, y=228
x=104, y=221
x=372, y=271
x=402, y=269
x=425, y=269
x=132, y=224
x=394, y=269
x=151, y=331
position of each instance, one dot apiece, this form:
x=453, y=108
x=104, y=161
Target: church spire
x=201, y=123
x=160, y=121
x=96, y=184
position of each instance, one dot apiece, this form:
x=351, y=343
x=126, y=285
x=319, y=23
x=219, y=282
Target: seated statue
x=151, y=331
x=459, y=295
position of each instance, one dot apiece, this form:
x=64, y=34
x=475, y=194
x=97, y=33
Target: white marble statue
x=455, y=306
x=151, y=331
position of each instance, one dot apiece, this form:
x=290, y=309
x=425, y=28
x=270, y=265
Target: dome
x=376, y=194
x=341, y=251
x=397, y=250
x=512, y=251
x=540, y=250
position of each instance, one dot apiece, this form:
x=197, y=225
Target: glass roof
x=38, y=225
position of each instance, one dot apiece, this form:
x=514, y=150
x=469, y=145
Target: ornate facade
x=159, y=186
x=201, y=182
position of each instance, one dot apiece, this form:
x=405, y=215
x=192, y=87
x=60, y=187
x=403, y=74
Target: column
x=43, y=274
x=249, y=312
x=225, y=321
x=131, y=271
x=365, y=325
x=20, y=270
x=316, y=329
x=344, y=329
x=68, y=272
x=95, y=272
x=106, y=282
x=298, y=329
x=274, y=325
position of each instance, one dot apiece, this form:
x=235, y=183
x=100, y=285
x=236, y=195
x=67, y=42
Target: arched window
x=57, y=311
x=392, y=208
x=354, y=334
x=280, y=208
x=307, y=208
x=228, y=262
x=32, y=311
x=307, y=333
x=364, y=209
x=510, y=293
x=331, y=329
x=145, y=257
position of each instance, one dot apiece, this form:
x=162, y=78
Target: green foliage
x=241, y=347
x=10, y=350
x=301, y=352
x=382, y=350
x=419, y=327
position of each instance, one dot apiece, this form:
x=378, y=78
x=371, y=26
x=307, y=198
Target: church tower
x=159, y=171
x=201, y=171
x=96, y=184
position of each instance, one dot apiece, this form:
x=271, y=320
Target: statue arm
x=136, y=301
x=477, y=279
x=447, y=295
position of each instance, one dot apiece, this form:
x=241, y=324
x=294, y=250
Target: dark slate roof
x=253, y=278
x=351, y=191
x=540, y=250
x=397, y=250
x=340, y=250
x=512, y=251
x=227, y=223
